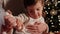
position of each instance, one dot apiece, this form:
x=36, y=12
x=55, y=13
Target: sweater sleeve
x=23, y=17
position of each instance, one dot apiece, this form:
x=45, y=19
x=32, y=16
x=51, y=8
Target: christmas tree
x=52, y=10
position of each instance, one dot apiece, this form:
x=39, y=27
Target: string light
x=50, y=20
x=46, y=12
x=52, y=26
x=59, y=23
x=48, y=7
x=52, y=23
x=44, y=7
x=52, y=10
x=58, y=16
x=58, y=1
x=59, y=20
x=48, y=4
x=56, y=4
x=57, y=31
x=51, y=16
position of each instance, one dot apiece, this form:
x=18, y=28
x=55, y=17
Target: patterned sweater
x=28, y=20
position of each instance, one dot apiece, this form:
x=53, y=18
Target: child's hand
x=19, y=25
x=9, y=20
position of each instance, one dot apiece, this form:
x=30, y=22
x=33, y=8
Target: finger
x=9, y=21
x=9, y=11
x=6, y=21
x=20, y=23
x=37, y=23
x=12, y=20
x=32, y=26
x=6, y=17
x=32, y=30
x=17, y=21
x=29, y=26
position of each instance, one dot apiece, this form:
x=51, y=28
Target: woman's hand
x=33, y=29
x=36, y=28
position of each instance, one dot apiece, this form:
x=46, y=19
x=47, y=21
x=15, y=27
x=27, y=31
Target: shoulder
x=42, y=19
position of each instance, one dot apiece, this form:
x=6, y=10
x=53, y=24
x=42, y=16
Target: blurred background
x=51, y=12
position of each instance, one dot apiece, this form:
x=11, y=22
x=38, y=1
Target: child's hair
x=32, y=2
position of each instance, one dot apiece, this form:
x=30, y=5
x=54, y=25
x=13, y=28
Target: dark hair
x=15, y=6
x=32, y=2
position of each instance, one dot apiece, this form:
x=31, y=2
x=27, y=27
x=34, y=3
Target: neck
x=36, y=18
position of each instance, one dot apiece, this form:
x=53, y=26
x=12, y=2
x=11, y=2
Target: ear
x=9, y=11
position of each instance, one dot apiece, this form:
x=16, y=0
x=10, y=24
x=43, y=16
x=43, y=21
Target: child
x=32, y=19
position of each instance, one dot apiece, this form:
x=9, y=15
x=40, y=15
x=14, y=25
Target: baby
x=32, y=19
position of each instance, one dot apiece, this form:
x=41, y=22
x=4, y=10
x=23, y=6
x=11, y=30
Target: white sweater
x=28, y=20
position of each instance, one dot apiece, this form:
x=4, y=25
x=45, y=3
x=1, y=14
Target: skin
x=35, y=11
x=9, y=23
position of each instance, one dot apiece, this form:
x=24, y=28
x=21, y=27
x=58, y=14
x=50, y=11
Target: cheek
x=40, y=13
